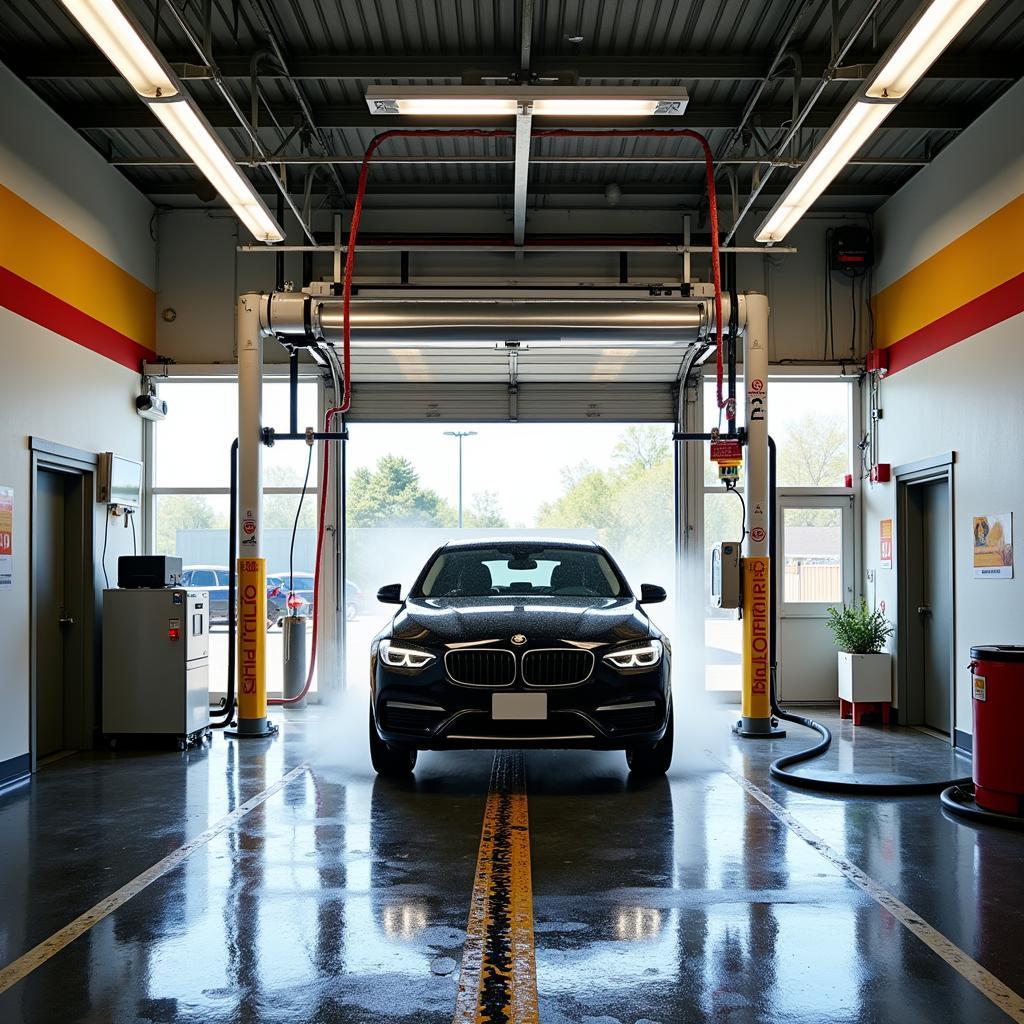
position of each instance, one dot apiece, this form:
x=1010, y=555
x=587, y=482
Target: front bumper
x=610, y=711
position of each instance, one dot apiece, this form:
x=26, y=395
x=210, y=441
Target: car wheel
x=387, y=760
x=351, y=611
x=652, y=759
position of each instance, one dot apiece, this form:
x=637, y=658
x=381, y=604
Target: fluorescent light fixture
x=196, y=137
x=507, y=101
x=932, y=28
x=848, y=134
x=127, y=47
x=124, y=45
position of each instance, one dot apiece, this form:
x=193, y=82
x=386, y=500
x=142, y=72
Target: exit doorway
x=62, y=711
x=926, y=594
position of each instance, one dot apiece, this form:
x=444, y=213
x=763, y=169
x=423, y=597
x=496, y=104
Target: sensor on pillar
x=726, y=589
x=726, y=452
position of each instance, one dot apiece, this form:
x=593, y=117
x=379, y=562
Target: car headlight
x=638, y=656
x=396, y=655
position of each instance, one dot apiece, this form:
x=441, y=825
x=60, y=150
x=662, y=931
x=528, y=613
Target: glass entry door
x=814, y=572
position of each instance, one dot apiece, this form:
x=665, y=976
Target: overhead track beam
x=974, y=65
x=427, y=161
x=939, y=117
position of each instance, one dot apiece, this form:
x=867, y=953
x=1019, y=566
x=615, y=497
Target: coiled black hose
x=779, y=766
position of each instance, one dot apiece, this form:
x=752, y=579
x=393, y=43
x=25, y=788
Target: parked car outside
x=214, y=578
x=303, y=587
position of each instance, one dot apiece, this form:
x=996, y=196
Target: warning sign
x=885, y=541
x=6, y=536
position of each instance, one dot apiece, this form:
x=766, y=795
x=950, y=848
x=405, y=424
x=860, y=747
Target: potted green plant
x=861, y=633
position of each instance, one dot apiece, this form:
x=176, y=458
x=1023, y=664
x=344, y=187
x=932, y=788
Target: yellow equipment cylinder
x=756, y=638
x=252, y=633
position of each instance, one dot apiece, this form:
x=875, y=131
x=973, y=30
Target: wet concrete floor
x=344, y=898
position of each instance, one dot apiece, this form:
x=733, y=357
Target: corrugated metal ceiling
x=600, y=41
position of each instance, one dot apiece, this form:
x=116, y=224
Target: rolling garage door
x=497, y=403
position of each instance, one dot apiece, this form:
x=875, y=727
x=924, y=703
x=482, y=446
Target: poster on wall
x=6, y=537
x=885, y=538
x=993, y=546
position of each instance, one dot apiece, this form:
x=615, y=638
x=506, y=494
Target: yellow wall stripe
x=498, y=981
x=981, y=259
x=42, y=252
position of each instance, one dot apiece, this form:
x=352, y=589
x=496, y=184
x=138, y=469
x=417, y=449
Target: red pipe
x=357, y=209
x=541, y=133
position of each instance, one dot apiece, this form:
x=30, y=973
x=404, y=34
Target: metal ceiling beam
x=428, y=161
x=943, y=117
x=991, y=65
x=524, y=128
x=696, y=190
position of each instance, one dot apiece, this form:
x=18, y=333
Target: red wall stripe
x=39, y=306
x=1002, y=302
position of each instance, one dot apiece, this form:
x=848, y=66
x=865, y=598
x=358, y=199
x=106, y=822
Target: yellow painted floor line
x=1010, y=1002
x=498, y=981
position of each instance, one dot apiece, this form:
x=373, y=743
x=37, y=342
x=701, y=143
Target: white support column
x=251, y=685
x=250, y=423
x=757, y=613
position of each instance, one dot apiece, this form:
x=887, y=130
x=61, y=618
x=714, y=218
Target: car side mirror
x=650, y=593
x=391, y=594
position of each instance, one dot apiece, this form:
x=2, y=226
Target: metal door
x=814, y=572
x=936, y=608
x=52, y=619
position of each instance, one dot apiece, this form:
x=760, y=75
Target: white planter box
x=864, y=678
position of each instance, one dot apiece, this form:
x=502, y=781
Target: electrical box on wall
x=881, y=473
x=851, y=249
x=726, y=586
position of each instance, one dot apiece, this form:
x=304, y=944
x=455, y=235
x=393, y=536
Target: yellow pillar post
x=757, y=720
x=252, y=632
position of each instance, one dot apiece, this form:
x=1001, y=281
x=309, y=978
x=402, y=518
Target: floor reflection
x=344, y=897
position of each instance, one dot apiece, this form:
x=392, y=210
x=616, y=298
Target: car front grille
x=487, y=667
x=642, y=717
x=400, y=717
x=557, y=667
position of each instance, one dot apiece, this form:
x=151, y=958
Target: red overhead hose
x=709, y=170
x=540, y=133
x=350, y=259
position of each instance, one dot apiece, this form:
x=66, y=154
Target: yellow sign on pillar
x=757, y=624
x=252, y=632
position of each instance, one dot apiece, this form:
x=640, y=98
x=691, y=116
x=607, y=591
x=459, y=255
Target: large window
x=191, y=495
x=811, y=422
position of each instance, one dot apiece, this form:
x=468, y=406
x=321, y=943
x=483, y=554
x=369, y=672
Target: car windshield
x=527, y=571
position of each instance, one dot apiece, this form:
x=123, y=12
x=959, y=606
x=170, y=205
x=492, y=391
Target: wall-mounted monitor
x=119, y=481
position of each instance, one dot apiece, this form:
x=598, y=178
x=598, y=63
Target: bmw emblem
x=519, y=639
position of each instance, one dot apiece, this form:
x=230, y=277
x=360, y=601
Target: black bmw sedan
x=520, y=644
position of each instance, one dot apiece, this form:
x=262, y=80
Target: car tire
x=392, y=762
x=652, y=759
x=351, y=611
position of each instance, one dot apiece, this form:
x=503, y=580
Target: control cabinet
x=156, y=656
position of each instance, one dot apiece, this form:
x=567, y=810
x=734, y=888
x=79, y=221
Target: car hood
x=466, y=620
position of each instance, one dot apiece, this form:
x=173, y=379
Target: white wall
x=49, y=386
x=967, y=398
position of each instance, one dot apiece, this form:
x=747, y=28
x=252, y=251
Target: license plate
x=521, y=706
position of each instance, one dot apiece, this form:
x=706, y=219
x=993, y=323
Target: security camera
x=149, y=407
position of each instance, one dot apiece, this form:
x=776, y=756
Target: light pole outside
x=460, y=434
